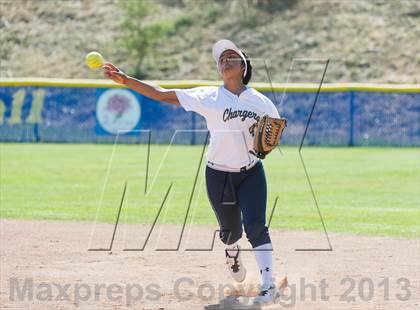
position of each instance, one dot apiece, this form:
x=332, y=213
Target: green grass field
x=372, y=191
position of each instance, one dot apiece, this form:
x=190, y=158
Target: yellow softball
x=94, y=60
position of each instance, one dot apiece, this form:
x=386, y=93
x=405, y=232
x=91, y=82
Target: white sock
x=264, y=257
x=232, y=249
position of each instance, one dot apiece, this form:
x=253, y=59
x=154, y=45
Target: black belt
x=242, y=169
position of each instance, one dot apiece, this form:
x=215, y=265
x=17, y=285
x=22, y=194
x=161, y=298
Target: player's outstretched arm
x=156, y=93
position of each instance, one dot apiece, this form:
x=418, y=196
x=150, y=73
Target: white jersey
x=231, y=120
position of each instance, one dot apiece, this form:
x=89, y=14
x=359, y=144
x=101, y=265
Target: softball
x=94, y=60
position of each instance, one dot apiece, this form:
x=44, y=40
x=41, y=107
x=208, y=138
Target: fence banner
x=99, y=111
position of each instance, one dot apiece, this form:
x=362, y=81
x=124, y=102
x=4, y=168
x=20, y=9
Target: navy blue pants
x=239, y=198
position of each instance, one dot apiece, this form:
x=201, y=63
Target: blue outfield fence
x=96, y=111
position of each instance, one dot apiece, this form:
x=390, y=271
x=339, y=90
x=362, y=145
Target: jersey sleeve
x=271, y=109
x=193, y=99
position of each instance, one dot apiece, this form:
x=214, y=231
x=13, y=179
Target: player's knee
x=230, y=236
x=257, y=234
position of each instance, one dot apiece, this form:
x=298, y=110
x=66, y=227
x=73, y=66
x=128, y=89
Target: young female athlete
x=235, y=179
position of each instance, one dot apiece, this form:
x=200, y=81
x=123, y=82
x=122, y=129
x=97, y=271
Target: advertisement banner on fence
x=118, y=111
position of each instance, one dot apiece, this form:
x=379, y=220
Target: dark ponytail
x=248, y=75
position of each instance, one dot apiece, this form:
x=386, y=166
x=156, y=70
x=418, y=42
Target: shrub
x=139, y=35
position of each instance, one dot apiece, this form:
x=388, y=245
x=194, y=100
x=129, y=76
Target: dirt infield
x=53, y=261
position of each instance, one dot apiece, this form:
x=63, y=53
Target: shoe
x=235, y=266
x=267, y=295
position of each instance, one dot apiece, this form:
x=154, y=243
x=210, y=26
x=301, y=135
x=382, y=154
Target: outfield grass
x=373, y=191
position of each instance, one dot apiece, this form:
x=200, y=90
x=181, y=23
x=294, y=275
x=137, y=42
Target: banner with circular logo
x=117, y=111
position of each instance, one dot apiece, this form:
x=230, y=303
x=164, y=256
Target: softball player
x=235, y=179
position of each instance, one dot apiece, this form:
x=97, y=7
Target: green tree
x=139, y=34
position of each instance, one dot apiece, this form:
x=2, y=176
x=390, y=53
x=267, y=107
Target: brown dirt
x=57, y=252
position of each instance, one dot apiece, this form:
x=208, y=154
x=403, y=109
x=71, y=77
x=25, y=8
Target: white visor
x=220, y=46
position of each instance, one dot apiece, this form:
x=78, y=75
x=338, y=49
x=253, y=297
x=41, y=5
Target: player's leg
x=222, y=197
x=252, y=197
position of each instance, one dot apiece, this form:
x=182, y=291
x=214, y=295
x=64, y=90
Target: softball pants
x=239, y=198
